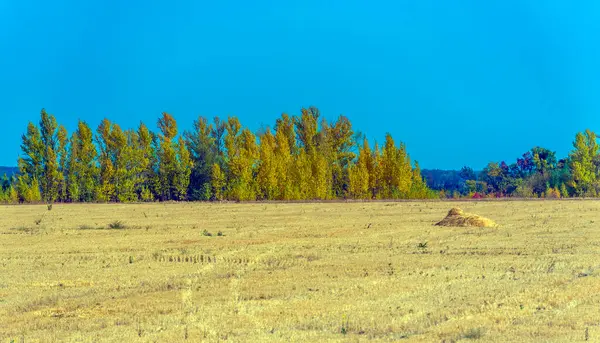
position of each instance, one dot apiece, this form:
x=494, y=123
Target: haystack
x=457, y=217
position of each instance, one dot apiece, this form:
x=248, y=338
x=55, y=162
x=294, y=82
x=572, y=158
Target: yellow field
x=300, y=273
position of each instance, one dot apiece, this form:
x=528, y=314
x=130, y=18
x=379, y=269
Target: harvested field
x=311, y=272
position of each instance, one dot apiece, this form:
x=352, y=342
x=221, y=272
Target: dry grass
x=300, y=273
x=458, y=218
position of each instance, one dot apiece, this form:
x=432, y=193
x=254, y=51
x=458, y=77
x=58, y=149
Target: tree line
x=302, y=157
x=537, y=173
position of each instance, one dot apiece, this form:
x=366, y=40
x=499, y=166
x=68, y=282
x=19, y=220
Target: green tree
x=63, y=141
x=583, y=169
x=174, y=161
x=340, y=136
x=146, y=157
x=83, y=172
x=167, y=157
x=183, y=170
x=202, y=145
x=50, y=179
x=107, y=187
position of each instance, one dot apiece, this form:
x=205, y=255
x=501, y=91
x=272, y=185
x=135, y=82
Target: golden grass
x=458, y=218
x=299, y=273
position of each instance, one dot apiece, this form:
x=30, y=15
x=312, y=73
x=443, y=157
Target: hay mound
x=457, y=217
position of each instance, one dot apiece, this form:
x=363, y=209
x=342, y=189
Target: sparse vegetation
x=475, y=333
x=24, y=229
x=117, y=225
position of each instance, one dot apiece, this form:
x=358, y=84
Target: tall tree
x=204, y=151
x=174, y=162
x=167, y=157
x=50, y=179
x=83, y=169
x=146, y=158
x=242, y=155
x=359, y=177
x=183, y=170
x=267, y=167
x=583, y=169
x=63, y=141
x=106, y=188
x=340, y=136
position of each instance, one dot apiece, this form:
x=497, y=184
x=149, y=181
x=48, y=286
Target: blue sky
x=460, y=82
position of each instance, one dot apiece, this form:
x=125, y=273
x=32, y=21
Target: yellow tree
x=376, y=174
x=283, y=158
x=358, y=174
x=218, y=182
x=301, y=176
x=267, y=167
x=419, y=189
x=242, y=155
x=82, y=167
x=404, y=172
x=389, y=169
x=106, y=188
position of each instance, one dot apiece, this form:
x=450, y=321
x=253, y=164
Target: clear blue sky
x=460, y=82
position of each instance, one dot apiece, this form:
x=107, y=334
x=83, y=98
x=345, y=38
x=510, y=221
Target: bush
x=146, y=195
x=552, y=193
x=117, y=225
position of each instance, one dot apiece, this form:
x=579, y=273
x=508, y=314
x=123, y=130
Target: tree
x=306, y=157
x=418, y=188
x=544, y=160
x=201, y=143
x=167, y=157
x=341, y=142
x=217, y=182
x=50, y=178
x=267, y=167
x=83, y=170
x=307, y=128
x=63, y=141
x=582, y=165
x=146, y=158
x=358, y=175
x=283, y=158
x=183, y=170
x=108, y=183
x=467, y=173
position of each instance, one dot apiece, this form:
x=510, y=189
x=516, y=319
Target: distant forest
x=538, y=173
x=301, y=157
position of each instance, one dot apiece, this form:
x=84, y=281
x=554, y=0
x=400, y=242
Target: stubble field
x=312, y=272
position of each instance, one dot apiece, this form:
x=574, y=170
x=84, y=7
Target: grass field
x=313, y=272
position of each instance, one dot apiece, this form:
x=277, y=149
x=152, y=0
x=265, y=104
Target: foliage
x=303, y=157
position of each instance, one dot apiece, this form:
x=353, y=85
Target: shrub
x=473, y=333
x=117, y=225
